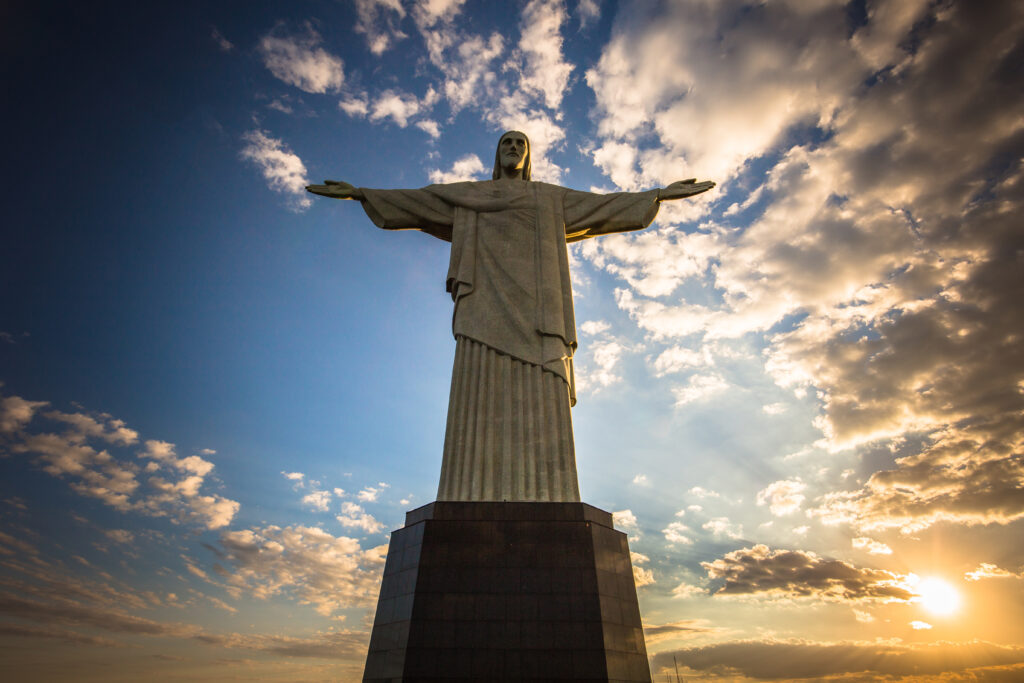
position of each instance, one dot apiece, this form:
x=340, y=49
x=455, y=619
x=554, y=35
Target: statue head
x=513, y=154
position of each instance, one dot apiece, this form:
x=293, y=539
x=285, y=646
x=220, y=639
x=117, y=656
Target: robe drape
x=508, y=437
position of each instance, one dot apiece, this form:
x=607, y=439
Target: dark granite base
x=507, y=592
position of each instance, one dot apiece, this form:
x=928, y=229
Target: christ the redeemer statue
x=509, y=434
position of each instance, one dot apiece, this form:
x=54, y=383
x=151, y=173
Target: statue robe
x=509, y=433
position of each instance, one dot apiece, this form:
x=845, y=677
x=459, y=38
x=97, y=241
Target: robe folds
x=509, y=278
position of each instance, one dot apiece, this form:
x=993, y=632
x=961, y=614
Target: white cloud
x=282, y=169
x=400, y=106
x=318, y=500
x=296, y=60
x=294, y=476
x=702, y=492
x=468, y=167
x=722, y=526
x=369, y=494
x=699, y=388
x=642, y=577
x=463, y=60
x=377, y=20
x=783, y=497
x=641, y=480
x=357, y=105
x=685, y=591
x=920, y=625
x=329, y=572
x=594, y=327
x=598, y=371
x=353, y=516
x=676, y=359
x=870, y=545
x=545, y=71
x=625, y=519
x=430, y=127
x=676, y=532
x=115, y=480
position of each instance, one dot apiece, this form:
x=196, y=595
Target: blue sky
x=801, y=393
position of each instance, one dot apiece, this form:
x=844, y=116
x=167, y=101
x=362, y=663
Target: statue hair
x=497, y=156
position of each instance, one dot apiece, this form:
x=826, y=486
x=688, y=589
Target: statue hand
x=684, y=188
x=336, y=189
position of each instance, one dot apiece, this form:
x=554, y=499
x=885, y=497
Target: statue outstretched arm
x=336, y=189
x=681, y=188
x=684, y=188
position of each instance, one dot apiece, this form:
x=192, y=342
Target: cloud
x=986, y=570
x=625, y=519
x=377, y=20
x=463, y=60
x=356, y=105
x=343, y=645
x=297, y=60
x=430, y=127
x=545, y=71
x=594, y=327
x=74, y=614
x=369, y=494
x=318, y=500
x=699, y=388
x=598, y=372
x=354, y=516
x=760, y=570
x=782, y=497
x=685, y=590
x=16, y=412
x=677, y=359
x=879, y=278
x=294, y=476
x=872, y=546
x=642, y=577
x=920, y=625
x=676, y=532
x=57, y=602
x=677, y=630
x=779, y=660
x=319, y=569
x=722, y=526
x=588, y=11
x=51, y=633
x=400, y=106
x=282, y=169
x=468, y=167
x=223, y=43
x=120, y=535
x=119, y=481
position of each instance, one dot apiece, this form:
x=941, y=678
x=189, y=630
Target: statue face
x=512, y=153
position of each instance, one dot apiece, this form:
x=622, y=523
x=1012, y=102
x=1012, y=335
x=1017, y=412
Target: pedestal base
x=507, y=592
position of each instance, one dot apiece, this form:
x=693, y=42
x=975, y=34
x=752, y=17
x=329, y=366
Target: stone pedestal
x=507, y=592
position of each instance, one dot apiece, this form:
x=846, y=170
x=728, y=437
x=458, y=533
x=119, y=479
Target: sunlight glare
x=938, y=596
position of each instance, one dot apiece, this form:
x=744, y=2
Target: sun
x=938, y=596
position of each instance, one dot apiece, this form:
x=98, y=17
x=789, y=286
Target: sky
x=801, y=393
